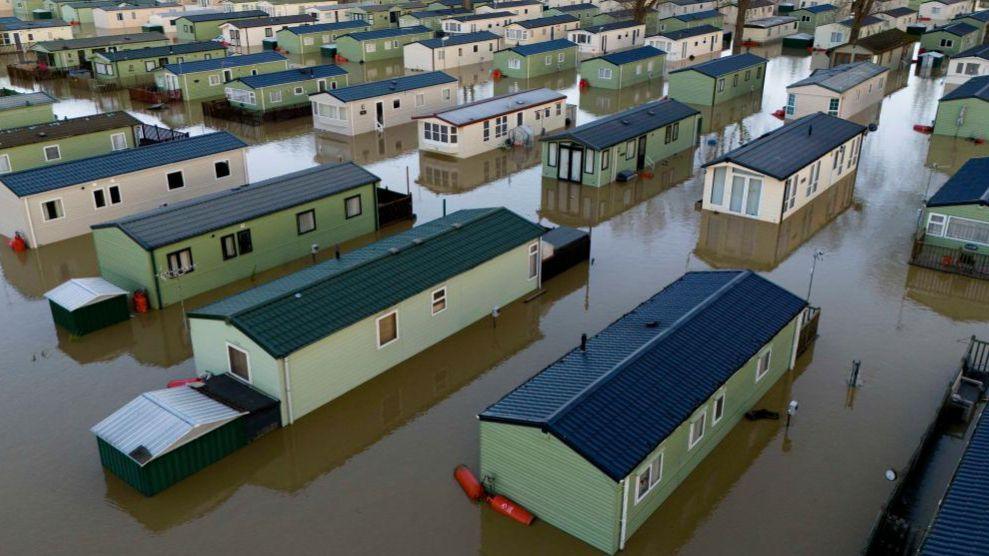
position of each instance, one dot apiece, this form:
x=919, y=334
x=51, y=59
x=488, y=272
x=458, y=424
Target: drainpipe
x=624, y=521
x=30, y=223
x=287, y=374
x=796, y=337
x=154, y=273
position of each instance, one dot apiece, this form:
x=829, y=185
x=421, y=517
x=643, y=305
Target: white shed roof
x=158, y=422
x=81, y=292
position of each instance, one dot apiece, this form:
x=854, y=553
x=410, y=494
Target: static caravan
x=206, y=27
x=273, y=91
x=207, y=78
x=769, y=29
x=955, y=222
x=520, y=9
x=940, y=12
x=754, y=181
x=432, y=19
x=495, y=22
x=21, y=109
x=601, y=39
x=541, y=29
x=245, y=35
x=377, y=16
x=650, y=19
x=381, y=304
x=841, y=91
x=43, y=144
x=835, y=34
x=624, y=68
x=309, y=38
x=128, y=16
x=892, y=48
x=683, y=7
x=68, y=54
x=812, y=17
x=633, y=411
x=584, y=12
x=718, y=80
x=899, y=18
x=688, y=43
x=379, y=104
x=950, y=39
x=968, y=64
x=484, y=125
x=380, y=44
x=978, y=19
x=757, y=9
x=688, y=21
x=132, y=67
x=216, y=239
x=59, y=201
x=20, y=36
x=533, y=60
x=618, y=146
x=451, y=51
x=964, y=112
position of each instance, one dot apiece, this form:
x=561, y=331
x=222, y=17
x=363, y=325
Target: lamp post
x=818, y=255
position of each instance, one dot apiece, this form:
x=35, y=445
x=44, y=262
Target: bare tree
x=639, y=8
x=736, y=37
x=860, y=10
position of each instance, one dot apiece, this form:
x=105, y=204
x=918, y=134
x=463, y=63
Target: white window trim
x=215, y=178
x=947, y=223
x=702, y=416
x=120, y=134
x=250, y=376
x=943, y=223
x=432, y=300
x=654, y=478
x=44, y=151
x=44, y=217
x=184, y=184
x=377, y=328
x=715, y=418
x=759, y=376
x=533, y=250
x=9, y=167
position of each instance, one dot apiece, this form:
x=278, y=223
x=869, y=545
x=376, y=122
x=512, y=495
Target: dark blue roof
x=961, y=526
x=540, y=47
x=13, y=24
x=726, y=65
x=629, y=124
x=57, y=176
x=645, y=374
x=976, y=87
x=820, y=8
x=982, y=16
x=957, y=29
x=788, y=149
x=689, y=32
x=464, y=38
x=223, y=16
x=969, y=186
x=548, y=20
x=630, y=55
x=397, y=85
x=323, y=27
x=226, y=62
x=980, y=51
x=159, y=51
x=576, y=7
x=428, y=14
x=899, y=12
x=292, y=75
x=385, y=33
x=697, y=15
x=610, y=26
x=487, y=15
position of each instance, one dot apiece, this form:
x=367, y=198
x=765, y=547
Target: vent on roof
x=626, y=122
x=810, y=129
x=455, y=225
x=394, y=250
x=652, y=324
x=417, y=241
x=651, y=112
x=297, y=295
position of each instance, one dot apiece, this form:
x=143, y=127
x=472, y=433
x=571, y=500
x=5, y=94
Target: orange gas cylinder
x=496, y=73
x=183, y=381
x=18, y=244
x=505, y=506
x=140, y=302
x=584, y=84
x=472, y=487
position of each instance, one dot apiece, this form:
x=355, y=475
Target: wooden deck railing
x=947, y=259
x=153, y=95
x=393, y=206
x=808, y=328
x=148, y=134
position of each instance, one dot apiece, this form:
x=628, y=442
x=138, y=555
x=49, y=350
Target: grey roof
x=57, y=176
x=323, y=27
x=265, y=21
x=384, y=87
x=820, y=8
x=386, y=33
x=982, y=16
x=693, y=16
x=786, y=150
x=429, y=14
x=224, y=62
x=976, y=87
x=841, y=78
x=293, y=75
x=223, y=16
x=544, y=46
x=773, y=21
x=155, y=423
x=688, y=32
x=462, y=38
x=980, y=51
x=725, y=65
x=20, y=100
x=513, y=4
x=488, y=15
x=577, y=7
x=123, y=7
x=159, y=51
x=82, y=292
x=969, y=186
x=646, y=374
x=867, y=20
x=69, y=127
x=899, y=12
x=546, y=21
x=34, y=24
x=609, y=26
x=178, y=221
x=630, y=55
x=959, y=29
x=496, y=106
x=107, y=40
x=611, y=130
x=946, y=2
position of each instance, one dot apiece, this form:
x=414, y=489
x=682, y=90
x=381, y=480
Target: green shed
x=623, y=69
x=950, y=39
x=541, y=58
x=83, y=305
x=380, y=44
x=718, y=80
x=964, y=112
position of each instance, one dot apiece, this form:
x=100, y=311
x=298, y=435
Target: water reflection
x=451, y=176
x=35, y=271
x=951, y=295
x=718, y=117
x=601, y=102
x=557, y=81
x=729, y=241
x=366, y=148
x=948, y=154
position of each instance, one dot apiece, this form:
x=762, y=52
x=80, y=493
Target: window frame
x=533, y=261
x=58, y=151
x=9, y=168
x=377, y=329
x=59, y=204
x=113, y=146
x=168, y=186
x=943, y=224
x=433, y=300
x=247, y=358
x=223, y=247
x=655, y=473
x=346, y=207
x=298, y=227
x=721, y=397
x=178, y=253
x=760, y=370
x=699, y=418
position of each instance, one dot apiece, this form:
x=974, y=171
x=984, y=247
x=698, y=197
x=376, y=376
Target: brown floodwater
x=370, y=473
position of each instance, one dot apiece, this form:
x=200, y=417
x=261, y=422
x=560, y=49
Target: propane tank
x=17, y=243
x=468, y=482
x=505, y=506
x=496, y=73
x=140, y=301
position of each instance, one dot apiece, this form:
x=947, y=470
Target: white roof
x=161, y=421
x=81, y=292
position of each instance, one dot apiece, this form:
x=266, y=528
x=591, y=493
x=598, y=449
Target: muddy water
x=370, y=472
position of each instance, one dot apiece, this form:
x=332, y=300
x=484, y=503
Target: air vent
x=651, y=112
x=626, y=122
x=394, y=250
x=297, y=295
x=417, y=241
x=455, y=225
x=652, y=324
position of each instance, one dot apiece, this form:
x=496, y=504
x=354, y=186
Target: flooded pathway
x=370, y=473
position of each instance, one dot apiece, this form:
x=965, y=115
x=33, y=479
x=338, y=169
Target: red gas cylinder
x=140, y=302
x=584, y=84
x=183, y=381
x=17, y=243
x=923, y=128
x=496, y=73
x=472, y=487
x=505, y=506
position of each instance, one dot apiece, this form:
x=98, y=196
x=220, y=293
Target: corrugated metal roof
x=158, y=51
x=726, y=65
x=957, y=29
x=515, y=4
x=488, y=15
x=982, y=16
x=495, y=106
x=882, y=42
x=976, y=87
x=689, y=32
x=820, y=8
x=541, y=47
x=969, y=186
x=786, y=150
x=57, y=176
x=464, y=38
x=576, y=7
x=91, y=42
x=546, y=21
x=123, y=7
x=389, y=86
x=867, y=20
x=82, y=292
x=246, y=14
x=635, y=54
x=429, y=14
x=611, y=130
x=293, y=75
x=645, y=374
x=899, y=12
x=961, y=525
x=290, y=313
x=841, y=78
x=161, y=421
x=697, y=15
x=323, y=27
x=265, y=21
x=69, y=127
x=17, y=24
x=225, y=62
x=609, y=26
x=20, y=100
x=166, y=225
x=772, y=21
x=387, y=33
x=980, y=51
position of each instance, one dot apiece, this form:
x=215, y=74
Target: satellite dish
x=890, y=474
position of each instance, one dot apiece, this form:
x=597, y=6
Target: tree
x=860, y=10
x=639, y=8
x=736, y=37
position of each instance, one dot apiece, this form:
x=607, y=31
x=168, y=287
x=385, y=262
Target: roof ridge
x=651, y=343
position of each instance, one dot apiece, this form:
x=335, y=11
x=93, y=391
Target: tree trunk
x=736, y=39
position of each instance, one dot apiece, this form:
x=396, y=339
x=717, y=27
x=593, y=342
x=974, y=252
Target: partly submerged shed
x=964, y=112
x=83, y=305
x=532, y=60
x=623, y=69
x=718, y=80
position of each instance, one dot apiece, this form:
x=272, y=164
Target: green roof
x=297, y=310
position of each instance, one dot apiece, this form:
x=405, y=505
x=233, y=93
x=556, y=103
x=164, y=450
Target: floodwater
x=370, y=473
